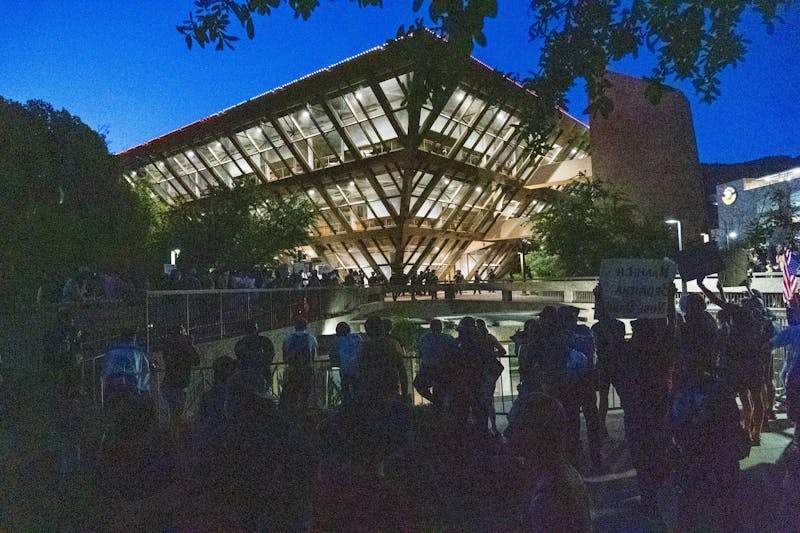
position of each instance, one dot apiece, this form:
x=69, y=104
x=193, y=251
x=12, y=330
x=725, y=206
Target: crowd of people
x=258, y=278
x=256, y=458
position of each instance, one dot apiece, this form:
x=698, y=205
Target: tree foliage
x=238, y=227
x=63, y=201
x=541, y=265
x=692, y=40
x=777, y=223
x=591, y=221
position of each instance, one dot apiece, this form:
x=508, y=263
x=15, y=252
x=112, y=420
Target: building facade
x=649, y=150
x=446, y=187
x=742, y=202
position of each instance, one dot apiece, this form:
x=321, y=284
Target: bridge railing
x=326, y=392
x=215, y=314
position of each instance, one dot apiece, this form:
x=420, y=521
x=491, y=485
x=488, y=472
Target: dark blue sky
x=121, y=66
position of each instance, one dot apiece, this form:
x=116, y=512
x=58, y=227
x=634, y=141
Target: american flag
x=789, y=268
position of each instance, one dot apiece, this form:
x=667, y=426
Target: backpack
x=297, y=350
x=701, y=421
x=577, y=364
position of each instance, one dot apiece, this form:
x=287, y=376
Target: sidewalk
x=615, y=496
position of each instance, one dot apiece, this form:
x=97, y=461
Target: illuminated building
x=455, y=194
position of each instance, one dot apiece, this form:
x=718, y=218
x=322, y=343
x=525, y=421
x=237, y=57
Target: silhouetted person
x=609, y=335
x=476, y=280
x=62, y=349
x=398, y=281
x=344, y=353
x=210, y=418
x=380, y=372
x=133, y=463
x=458, y=279
x=746, y=346
x=644, y=392
x=526, y=343
x=710, y=442
x=257, y=475
x=461, y=376
x=299, y=352
x=180, y=356
x=433, y=347
x=491, y=369
x=255, y=352
x=581, y=379
x=557, y=500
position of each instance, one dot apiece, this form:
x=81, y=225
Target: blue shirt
x=345, y=349
x=432, y=347
x=789, y=337
x=299, y=348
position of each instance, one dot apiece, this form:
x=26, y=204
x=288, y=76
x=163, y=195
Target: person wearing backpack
x=299, y=352
x=709, y=442
x=581, y=378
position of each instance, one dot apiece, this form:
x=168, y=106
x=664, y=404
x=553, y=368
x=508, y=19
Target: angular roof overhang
x=371, y=64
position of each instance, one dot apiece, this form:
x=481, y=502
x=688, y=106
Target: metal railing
x=216, y=314
x=326, y=390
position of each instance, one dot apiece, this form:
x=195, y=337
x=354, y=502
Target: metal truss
x=340, y=139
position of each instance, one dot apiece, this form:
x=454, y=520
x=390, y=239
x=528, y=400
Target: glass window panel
x=256, y=134
x=384, y=128
x=343, y=110
x=244, y=141
x=369, y=102
x=394, y=93
x=402, y=118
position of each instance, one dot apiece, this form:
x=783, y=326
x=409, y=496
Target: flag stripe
x=789, y=269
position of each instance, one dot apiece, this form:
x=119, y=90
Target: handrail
x=178, y=292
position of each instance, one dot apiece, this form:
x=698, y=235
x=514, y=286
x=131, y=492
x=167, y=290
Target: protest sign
x=700, y=261
x=636, y=288
x=735, y=272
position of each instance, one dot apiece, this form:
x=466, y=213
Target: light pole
x=680, y=249
x=680, y=233
x=731, y=235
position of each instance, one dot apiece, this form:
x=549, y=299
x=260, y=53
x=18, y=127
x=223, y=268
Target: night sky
x=123, y=68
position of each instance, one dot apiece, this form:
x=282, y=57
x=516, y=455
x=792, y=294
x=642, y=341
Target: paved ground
x=614, y=494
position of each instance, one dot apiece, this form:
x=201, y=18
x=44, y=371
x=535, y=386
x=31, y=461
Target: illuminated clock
x=728, y=195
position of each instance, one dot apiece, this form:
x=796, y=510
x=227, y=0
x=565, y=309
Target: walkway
x=614, y=493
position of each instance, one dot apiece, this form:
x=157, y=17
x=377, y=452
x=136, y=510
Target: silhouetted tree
x=63, y=200
x=242, y=227
x=691, y=40
x=591, y=221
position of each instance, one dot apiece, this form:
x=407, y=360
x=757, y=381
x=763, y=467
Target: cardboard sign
x=700, y=261
x=735, y=272
x=636, y=288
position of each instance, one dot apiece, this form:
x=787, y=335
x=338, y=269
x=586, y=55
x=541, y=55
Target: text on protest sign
x=636, y=288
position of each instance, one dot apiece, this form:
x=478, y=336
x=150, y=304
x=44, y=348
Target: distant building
x=745, y=191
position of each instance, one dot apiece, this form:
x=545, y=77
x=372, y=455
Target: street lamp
x=680, y=249
x=730, y=236
x=680, y=234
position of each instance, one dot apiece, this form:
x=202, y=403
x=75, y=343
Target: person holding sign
x=748, y=350
x=609, y=335
x=705, y=427
x=643, y=384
